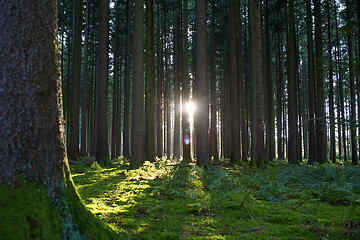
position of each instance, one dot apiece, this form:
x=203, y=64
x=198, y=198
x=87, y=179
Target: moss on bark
x=28, y=213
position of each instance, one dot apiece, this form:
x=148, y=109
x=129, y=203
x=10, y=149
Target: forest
x=180, y=119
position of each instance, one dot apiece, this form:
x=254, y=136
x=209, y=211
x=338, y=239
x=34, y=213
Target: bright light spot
x=190, y=108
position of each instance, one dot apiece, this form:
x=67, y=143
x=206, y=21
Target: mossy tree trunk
x=38, y=200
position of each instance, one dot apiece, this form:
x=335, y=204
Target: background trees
x=306, y=93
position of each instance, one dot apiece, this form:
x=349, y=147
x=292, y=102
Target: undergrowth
x=167, y=200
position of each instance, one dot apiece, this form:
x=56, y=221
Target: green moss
x=26, y=212
x=87, y=223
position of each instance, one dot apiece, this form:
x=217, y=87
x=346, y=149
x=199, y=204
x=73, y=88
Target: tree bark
x=257, y=121
x=185, y=87
x=321, y=141
x=137, y=131
x=101, y=134
x=150, y=117
x=331, y=91
x=115, y=138
x=75, y=83
x=202, y=94
x=35, y=181
x=353, y=141
x=311, y=84
x=269, y=95
x=84, y=103
x=292, y=93
x=126, y=124
x=234, y=92
x=177, y=43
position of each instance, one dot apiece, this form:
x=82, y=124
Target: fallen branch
x=298, y=205
x=313, y=220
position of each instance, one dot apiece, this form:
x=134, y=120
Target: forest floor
x=167, y=200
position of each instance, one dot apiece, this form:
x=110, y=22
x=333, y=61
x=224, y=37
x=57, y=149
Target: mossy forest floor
x=169, y=200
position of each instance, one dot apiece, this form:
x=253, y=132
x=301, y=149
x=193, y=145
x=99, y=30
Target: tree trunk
x=269, y=95
x=331, y=91
x=176, y=152
x=279, y=99
x=352, y=91
x=115, y=138
x=292, y=93
x=101, y=134
x=185, y=87
x=341, y=108
x=150, y=117
x=75, y=83
x=84, y=103
x=137, y=130
x=234, y=92
x=202, y=93
x=257, y=121
x=160, y=80
x=126, y=124
x=311, y=84
x=321, y=141
x=38, y=195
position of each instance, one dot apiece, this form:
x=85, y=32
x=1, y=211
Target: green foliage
x=328, y=183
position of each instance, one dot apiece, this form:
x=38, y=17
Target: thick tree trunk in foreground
x=38, y=196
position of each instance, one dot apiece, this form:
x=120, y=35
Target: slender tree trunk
x=75, y=83
x=115, y=138
x=292, y=93
x=137, y=126
x=340, y=91
x=234, y=92
x=269, y=95
x=257, y=133
x=185, y=86
x=101, y=135
x=160, y=79
x=311, y=84
x=150, y=117
x=331, y=92
x=352, y=91
x=176, y=152
x=279, y=99
x=84, y=102
x=202, y=93
x=126, y=124
x=321, y=141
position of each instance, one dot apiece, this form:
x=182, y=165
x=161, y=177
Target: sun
x=190, y=107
